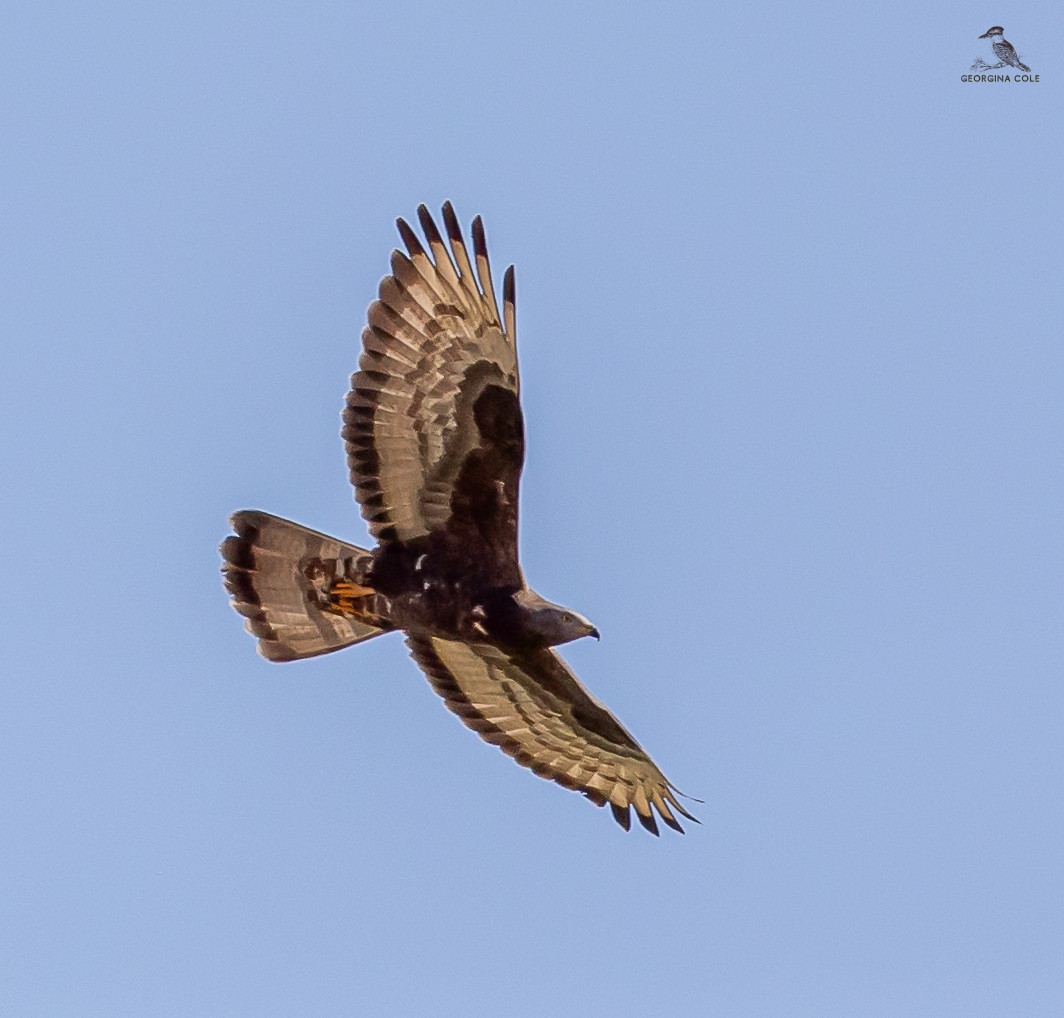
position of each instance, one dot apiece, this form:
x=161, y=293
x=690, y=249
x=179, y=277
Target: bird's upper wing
x=534, y=709
x=433, y=423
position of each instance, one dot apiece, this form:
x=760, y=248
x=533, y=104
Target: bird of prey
x=435, y=445
x=1003, y=48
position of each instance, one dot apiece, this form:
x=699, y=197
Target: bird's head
x=552, y=623
x=996, y=30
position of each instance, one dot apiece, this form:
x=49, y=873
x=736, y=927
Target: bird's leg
x=342, y=596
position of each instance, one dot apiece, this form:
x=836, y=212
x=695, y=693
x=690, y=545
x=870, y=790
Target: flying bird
x=435, y=446
x=1003, y=48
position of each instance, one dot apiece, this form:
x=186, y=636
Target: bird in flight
x=435, y=446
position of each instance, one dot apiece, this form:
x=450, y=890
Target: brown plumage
x=280, y=576
x=435, y=446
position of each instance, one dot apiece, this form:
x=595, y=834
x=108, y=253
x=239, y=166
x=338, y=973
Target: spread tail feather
x=300, y=591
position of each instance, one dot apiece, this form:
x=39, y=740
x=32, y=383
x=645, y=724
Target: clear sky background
x=791, y=323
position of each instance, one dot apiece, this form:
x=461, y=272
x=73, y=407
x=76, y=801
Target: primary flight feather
x=435, y=446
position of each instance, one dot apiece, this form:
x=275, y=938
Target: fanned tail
x=301, y=592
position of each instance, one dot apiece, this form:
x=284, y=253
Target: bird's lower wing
x=535, y=710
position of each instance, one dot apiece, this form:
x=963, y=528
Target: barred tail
x=300, y=591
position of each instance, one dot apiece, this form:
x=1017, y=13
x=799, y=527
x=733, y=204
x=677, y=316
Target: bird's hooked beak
x=595, y=633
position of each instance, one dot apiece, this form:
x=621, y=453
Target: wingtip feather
x=674, y=824
x=509, y=304
x=413, y=245
x=450, y=222
x=428, y=225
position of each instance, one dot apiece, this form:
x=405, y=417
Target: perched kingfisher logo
x=1005, y=57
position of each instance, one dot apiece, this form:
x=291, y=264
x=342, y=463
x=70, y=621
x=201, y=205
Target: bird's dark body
x=425, y=595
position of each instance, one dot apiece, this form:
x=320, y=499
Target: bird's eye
x=566, y=617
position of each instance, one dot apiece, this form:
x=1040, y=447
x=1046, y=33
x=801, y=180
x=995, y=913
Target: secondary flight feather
x=435, y=446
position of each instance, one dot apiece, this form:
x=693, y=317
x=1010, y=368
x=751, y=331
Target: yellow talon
x=343, y=590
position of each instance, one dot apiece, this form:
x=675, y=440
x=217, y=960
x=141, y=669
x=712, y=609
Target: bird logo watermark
x=1004, y=58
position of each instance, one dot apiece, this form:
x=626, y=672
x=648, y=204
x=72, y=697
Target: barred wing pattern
x=534, y=709
x=278, y=574
x=434, y=343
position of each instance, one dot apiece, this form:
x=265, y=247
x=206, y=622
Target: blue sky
x=790, y=316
